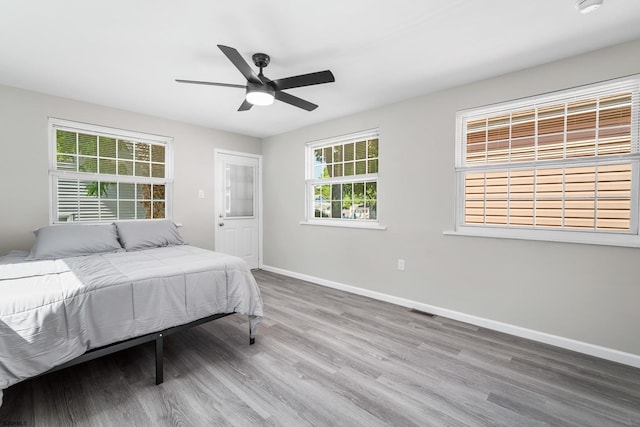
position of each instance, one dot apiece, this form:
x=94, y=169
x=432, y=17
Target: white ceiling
x=126, y=54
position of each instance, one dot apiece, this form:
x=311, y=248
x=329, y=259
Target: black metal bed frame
x=158, y=337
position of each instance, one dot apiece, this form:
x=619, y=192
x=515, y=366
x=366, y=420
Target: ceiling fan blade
x=303, y=80
x=241, y=64
x=295, y=101
x=246, y=105
x=210, y=83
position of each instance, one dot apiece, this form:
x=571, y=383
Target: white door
x=238, y=205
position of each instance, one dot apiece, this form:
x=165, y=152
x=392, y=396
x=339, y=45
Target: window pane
x=142, y=169
x=348, y=153
x=328, y=171
x=361, y=150
x=126, y=209
x=107, y=166
x=158, y=192
x=66, y=142
x=239, y=190
x=143, y=191
x=372, y=148
x=336, y=192
x=523, y=150
x=127, y=191
x=87, y=164
x=372, y=166
x=65, y=162
x=87, y=144
x=89, y=205
x=158, y=210
x=349, y=169
x=336, y=209
x=125, y=168
x=498, y=152
x=523, y=124
x=358, y=193
x=371, y=190
x=125, y=149
x=158, y=153
x=361, y=167
x=157, y=170
x=68, y=193
x=337, y=153
x=328, y=155
x=142, y=151
x=109, y=190
x=318, y=172
x=371, y=209
x=143, y=210
x=347, y=200
x=107, y=147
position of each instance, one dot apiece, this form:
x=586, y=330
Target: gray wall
x=24, y=191
x=582, y=292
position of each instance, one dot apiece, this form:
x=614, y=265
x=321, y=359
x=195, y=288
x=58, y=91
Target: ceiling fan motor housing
x=261, y=60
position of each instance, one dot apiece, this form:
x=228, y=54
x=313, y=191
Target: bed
x=124, y=284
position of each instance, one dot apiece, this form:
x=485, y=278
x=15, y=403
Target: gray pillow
x=69, y=240
x=136, y=235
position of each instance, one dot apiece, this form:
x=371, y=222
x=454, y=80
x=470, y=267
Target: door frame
x=218, y=202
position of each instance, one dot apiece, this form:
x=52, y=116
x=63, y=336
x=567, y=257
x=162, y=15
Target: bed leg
x=252, y=341
x=159, y=357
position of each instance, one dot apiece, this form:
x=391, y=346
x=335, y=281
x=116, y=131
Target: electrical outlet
x=201, y=194
x=401, y=264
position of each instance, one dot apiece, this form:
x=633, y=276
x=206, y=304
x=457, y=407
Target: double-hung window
x=342, y=180
x=561, y=167
x=103, y=174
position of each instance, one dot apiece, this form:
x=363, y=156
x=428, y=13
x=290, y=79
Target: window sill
x=622, y=240
x=344, y=224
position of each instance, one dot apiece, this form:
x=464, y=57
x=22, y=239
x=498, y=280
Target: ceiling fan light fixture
x=586, y=6
x=260, y=95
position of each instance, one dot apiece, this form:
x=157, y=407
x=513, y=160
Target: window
x=104, y=174
x=342, y=180
x=558, y=167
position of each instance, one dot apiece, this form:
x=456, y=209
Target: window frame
x=55, y=124
x=629, y=238
x=310, y=182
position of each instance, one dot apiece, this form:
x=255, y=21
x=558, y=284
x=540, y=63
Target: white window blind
x=562, y=162
x=102, y=174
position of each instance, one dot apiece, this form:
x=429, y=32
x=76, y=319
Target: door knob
x=221, y=224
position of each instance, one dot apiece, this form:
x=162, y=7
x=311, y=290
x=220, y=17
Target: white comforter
x=53, y=311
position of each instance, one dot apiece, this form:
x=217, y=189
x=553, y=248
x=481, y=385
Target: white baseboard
x=558, y=341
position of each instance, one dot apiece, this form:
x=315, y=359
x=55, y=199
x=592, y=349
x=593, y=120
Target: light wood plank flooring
x=329, y=358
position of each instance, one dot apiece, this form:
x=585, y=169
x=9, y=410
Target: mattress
x=55, y=310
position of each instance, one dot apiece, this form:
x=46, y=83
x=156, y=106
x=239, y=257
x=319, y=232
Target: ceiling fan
x=260, y=90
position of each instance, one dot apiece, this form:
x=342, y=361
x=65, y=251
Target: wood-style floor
x=329, y=358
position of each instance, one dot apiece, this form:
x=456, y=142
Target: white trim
x=345, y=139
x=543, y=337
x=108, y=131
x=564, y=236
x=346, y=223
